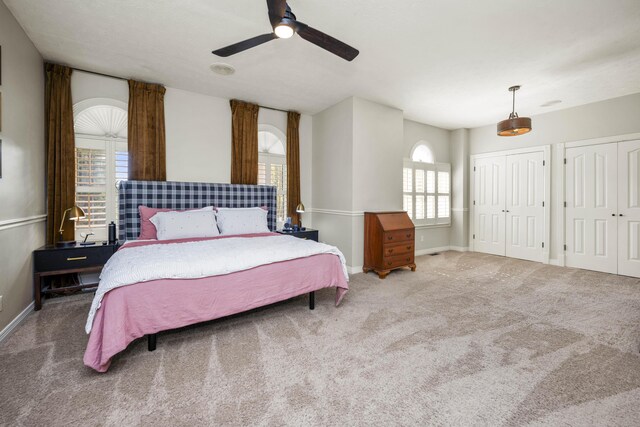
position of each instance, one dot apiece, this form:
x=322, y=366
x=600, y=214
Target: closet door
x=489, y=209
x=591, y=212
x=524, y=210
x=629, y=208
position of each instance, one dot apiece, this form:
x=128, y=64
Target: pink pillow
x=148, y=231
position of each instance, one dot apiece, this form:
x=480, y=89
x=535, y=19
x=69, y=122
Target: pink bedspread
x=130, y=312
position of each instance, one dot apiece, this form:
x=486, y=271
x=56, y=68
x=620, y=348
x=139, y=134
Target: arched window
x=422, y=153
x=426, y=187
x=272, y=166
x=100, y=127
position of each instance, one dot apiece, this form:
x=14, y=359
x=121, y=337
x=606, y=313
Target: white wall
x=198, y=131
x=22, y=186
x=612, y=117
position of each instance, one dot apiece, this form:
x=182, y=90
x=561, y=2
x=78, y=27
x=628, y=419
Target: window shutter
x=91, y=181
x=262, y=174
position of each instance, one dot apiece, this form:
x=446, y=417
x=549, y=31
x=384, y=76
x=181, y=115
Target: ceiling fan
x=285, y=24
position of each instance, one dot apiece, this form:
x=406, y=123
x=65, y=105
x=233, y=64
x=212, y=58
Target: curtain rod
x=98, y=74
x=271, y=108
x=122, y=78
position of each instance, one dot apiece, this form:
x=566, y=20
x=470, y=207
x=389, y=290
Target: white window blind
x=91, y=182
x=426, y=191
x=100, y=165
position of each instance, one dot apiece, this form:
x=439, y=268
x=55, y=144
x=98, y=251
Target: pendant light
x=514, y=125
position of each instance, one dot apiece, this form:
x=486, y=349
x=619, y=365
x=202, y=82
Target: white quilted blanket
x=192, y=260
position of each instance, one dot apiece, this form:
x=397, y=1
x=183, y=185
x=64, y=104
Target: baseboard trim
x=429, y=251
x=354, y=269
x=358, y=268
x=15, y=322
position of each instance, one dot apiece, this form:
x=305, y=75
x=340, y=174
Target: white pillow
x=242, y=220
x=185, y=225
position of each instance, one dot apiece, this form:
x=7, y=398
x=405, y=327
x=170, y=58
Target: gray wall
x=22, y=186
x=332, y=182
x=438, y=140
x=357, y=166
x=618, y=116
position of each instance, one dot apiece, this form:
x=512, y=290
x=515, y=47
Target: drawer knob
x=390, y=251
x=408, y=259
x=408, y=235
x=390, y=238
x=408, y=247
x=77, y=258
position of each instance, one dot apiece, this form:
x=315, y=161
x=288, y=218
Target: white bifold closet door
x=592, y=207
x=629, y=208
x=508, y=205
x=525, y=209
x=489, y=209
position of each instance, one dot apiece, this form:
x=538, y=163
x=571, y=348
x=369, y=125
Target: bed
x=222, y=275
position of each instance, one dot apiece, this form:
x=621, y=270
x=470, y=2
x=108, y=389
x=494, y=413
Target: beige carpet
x=468, y=339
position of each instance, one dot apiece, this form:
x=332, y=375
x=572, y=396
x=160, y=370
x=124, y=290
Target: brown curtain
x=146, y=134
x=293, y=165
x=61, y=175
x=244, y=142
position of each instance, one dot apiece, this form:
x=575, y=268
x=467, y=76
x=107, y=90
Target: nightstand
x=309, y=233
x=54, y=261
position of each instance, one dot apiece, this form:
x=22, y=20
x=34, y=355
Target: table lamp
x=300, y=210
x=75, y=213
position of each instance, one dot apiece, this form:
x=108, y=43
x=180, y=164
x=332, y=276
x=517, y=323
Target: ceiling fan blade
x=326, y=42
x=244, y=45
x=277, y=9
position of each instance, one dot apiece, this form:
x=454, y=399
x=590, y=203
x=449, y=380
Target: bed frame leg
x=312, y=300
x=151, y=341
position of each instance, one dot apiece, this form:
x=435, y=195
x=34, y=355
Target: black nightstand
x=309, y=233
x=53, y=261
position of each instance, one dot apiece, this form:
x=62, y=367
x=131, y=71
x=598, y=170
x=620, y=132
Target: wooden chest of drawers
x=389, y=242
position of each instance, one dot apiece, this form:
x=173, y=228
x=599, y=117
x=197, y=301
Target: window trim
x=435, y=167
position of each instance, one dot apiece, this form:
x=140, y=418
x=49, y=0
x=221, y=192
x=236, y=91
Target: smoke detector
x=222, y=69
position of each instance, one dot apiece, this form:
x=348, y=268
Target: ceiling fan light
x=283, y=30
x=514, y=127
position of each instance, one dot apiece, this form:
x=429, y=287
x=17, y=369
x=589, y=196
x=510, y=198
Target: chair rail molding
x=19, y=222
x=336, y=212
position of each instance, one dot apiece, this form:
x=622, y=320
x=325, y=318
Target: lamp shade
x=300, y=208
x=76, y=213
x=514, y=126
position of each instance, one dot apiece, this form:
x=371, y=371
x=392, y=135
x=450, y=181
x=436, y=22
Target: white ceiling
x=444, y=62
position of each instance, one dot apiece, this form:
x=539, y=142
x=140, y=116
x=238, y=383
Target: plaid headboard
x=188, y=195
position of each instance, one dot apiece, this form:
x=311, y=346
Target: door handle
x=621, y=215
x=613, y=214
